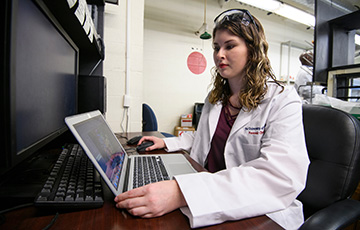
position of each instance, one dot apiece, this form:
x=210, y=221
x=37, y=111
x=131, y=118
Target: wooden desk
x=109, y=217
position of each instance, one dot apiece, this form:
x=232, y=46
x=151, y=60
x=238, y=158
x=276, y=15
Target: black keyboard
x=72, y=183
x=148, y=169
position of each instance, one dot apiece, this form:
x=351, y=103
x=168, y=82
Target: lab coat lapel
x=214, y=115
x=244, y=118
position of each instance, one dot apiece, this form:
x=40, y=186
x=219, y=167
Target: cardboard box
x=181, y=130
x=186, y=120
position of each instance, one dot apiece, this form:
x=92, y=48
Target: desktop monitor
x=40, y=70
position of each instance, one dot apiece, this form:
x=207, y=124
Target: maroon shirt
x=215, y=158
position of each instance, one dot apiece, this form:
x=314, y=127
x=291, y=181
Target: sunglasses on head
x=235, y=14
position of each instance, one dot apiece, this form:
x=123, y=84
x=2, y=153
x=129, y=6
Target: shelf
x=345, y=67
x=349, y=21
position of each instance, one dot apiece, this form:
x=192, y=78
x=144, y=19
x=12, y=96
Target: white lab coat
x=266, y=164
x=303, y=77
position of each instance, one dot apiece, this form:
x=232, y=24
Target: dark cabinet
x=334, y=39
x=83, y=21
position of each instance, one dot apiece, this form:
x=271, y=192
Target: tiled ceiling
x=347, y=6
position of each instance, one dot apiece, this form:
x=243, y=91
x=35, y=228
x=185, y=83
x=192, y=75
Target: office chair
x=149, y=121
x=197, y=113
x=333, y=144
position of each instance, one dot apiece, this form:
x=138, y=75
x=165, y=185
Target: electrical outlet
x=126, y=101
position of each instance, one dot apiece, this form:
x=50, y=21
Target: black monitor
x=39, y=86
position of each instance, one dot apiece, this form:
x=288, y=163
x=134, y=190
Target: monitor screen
x=43, y=74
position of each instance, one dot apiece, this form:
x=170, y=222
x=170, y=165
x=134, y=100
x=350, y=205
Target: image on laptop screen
x=105, y=149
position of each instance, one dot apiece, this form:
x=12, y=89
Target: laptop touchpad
x=180, y=168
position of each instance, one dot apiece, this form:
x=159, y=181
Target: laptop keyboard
x=72, y=183
x=148, y=169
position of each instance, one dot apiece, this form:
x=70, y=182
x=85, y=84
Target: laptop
x=116, y=167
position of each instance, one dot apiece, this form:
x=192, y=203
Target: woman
x=250, y=136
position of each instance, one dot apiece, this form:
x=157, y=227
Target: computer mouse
x=144, y=145
x=134, y=140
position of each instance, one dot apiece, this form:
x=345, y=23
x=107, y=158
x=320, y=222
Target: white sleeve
x=184, y=142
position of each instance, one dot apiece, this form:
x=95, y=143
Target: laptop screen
x=103, y=146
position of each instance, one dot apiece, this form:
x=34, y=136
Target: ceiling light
x=205, y=35
x=268, y=5
x=296, y=15
x=283, y=9
x=203, y=29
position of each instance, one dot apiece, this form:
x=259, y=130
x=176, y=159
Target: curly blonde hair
x=257, y=69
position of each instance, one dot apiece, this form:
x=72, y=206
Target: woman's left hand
x=152, y=200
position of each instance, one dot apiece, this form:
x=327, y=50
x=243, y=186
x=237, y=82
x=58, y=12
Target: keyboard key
x=59, y=198
x=80, y=196
x=43, y=197
x=70, y=197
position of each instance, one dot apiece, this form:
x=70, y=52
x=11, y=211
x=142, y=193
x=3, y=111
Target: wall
x=115, y=64
x=161, y=77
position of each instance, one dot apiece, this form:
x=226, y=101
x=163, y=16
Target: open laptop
x=107, y=154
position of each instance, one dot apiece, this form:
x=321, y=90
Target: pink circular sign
x=196, y=63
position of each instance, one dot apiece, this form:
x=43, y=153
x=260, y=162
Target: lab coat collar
x=245, y=117
x=242, y=119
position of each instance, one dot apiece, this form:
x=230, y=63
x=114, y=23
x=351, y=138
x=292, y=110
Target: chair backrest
x=149, y=122
x=197, y=113
x=333, y=144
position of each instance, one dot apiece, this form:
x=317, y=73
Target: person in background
x=304, y=78
x=250, y=138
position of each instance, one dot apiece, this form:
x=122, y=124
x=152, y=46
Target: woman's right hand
x=159, y=143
